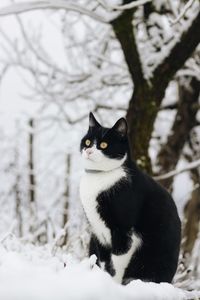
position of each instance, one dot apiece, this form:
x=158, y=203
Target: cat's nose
x=89, y=151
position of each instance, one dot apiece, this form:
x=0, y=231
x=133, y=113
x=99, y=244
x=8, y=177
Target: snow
x=34, y=273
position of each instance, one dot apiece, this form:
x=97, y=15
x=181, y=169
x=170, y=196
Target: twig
x=59, y=239
x=189, y=167
x=183, y=12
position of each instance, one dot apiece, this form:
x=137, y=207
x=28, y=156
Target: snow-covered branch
x=192, y=66
x=18, y=8
x=183, y=12
x=131, y=5
x=190, y=166
x=171, y=63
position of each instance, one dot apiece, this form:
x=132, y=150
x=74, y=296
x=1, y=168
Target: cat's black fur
x=138, y=204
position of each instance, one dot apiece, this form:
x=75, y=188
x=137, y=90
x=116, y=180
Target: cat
x=134, y=222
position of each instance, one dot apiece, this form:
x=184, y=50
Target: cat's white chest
x=92, y=184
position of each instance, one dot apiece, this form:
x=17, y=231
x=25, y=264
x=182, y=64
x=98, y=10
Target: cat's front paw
x=92, y=261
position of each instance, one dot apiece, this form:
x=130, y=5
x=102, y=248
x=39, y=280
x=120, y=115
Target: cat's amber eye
x=87, y=142
x=103, y=145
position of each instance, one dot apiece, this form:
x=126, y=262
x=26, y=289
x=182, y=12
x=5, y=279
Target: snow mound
x=31, y=272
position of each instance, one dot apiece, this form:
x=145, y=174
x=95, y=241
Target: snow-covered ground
x=29, y=272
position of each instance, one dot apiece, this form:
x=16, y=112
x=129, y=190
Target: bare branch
x=18, y=8
x=190, y=166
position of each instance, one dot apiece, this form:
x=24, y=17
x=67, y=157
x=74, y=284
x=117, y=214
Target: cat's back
x=159, y=216
x=159, y=226
x=150, y=190
x=157, y=205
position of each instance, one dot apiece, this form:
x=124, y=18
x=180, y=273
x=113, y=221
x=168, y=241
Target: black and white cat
x=135, y=226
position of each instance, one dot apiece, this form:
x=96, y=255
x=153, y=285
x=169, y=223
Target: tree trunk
x=66, y=197
x=192, y=208
x=31, y=163
x=192, y=221
x=17, y=197
x=141, y=115
x=31, y=168
x=145, y=101
x=185, y=120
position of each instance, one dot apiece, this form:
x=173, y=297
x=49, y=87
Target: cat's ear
x=121, y=127
x=92, y=121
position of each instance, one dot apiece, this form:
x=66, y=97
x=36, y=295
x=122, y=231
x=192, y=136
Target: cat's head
x=102, y=148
